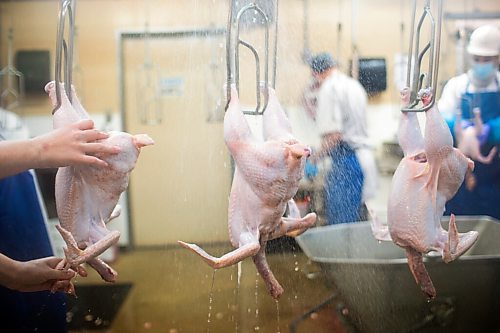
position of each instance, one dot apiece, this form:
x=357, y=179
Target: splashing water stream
x=257, y=327
x=296, y=269
x=210, y=301
x=278, y=317
x=236, y=329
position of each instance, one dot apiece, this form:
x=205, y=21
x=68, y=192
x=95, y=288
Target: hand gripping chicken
x=429, y=175
x=471, y=136
x=87, y=197
x=266, y=178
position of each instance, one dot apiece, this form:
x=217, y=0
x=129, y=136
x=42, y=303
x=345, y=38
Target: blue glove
x=494, y=135
x=450, y=121
x=310, y=170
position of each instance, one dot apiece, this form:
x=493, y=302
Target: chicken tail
x=142, y=140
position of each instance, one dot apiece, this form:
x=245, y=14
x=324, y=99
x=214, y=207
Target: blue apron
x=343, y=186
x=484, y=199
x=23, y=237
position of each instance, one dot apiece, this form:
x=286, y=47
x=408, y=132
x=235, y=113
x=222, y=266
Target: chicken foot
x=249, y=249
x=272, y=285
x=77, y=256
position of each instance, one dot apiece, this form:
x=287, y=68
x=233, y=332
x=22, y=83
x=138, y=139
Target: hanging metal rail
x=233, y=43
x=149, y=102
x=9, y=99
x=64, y=51
x=418, y=80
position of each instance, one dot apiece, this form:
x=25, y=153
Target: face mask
x=483, y=70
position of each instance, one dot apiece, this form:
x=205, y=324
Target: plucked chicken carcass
x=468, y=141
x=266, y=178
x=429, y=175
x=87, y=197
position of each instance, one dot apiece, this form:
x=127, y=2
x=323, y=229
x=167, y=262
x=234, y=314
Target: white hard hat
x=485, y=41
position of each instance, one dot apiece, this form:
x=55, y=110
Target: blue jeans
x=343, y=186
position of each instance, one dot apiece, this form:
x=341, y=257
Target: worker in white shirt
x=341, y=122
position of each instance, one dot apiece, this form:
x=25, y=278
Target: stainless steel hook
x=64, y=51
x=418, y=80
x=232, y=55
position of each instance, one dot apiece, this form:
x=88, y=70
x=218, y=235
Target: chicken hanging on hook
x=427, y=177
x=87, y=197
x=266, y=178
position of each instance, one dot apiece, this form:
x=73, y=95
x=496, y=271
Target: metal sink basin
x=380, y=294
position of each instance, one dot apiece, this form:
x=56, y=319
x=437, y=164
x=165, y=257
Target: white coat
x=341, y=108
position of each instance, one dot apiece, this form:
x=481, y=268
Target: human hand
x=73, y=145
x=330, y=141
x=39, y=274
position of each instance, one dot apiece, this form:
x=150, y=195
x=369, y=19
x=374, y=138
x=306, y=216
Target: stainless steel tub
x=380, y=294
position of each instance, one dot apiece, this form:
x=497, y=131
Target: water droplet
x=256, y=328
x=88, y=317
x=219, y=315
x=314, y=315
x=296, y=269
x=147, y=325
x=173, y=330
x=211, y=301
x=98, y=321
x=277, y=316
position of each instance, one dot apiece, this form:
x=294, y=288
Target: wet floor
x=171, y=292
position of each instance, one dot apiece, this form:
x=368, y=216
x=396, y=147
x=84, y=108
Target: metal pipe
x=410, y=49
x=64, y=51
x=228, y=54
